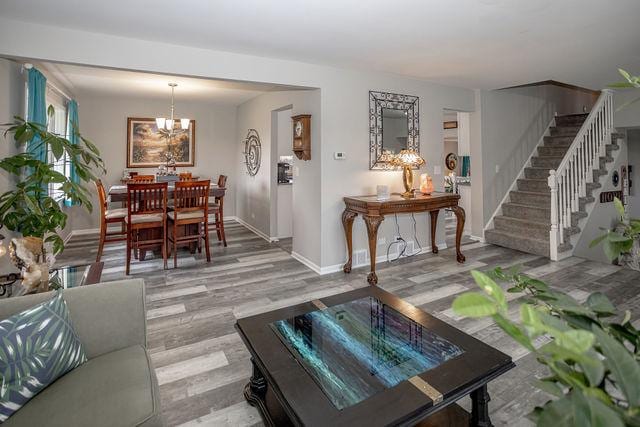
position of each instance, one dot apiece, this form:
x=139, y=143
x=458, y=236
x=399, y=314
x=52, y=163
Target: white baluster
x=553, y=233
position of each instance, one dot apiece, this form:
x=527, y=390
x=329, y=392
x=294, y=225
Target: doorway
x=456, y=164
x=282, y=162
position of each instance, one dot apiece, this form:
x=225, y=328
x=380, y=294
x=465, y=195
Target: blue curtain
x=37, y=111
x=466, y=166
x=73, y=128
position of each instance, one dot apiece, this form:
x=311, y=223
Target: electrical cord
x=401, y=241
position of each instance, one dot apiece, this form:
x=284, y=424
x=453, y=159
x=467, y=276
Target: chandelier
x=170, y=126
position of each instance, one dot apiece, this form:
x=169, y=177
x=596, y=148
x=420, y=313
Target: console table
x=374, y=210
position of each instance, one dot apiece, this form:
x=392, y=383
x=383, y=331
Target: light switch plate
x=339, y=155
x=437, y=170
x=497, y=168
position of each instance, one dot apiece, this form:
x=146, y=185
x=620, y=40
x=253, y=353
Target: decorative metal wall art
x=252, y=152
x=383, y=100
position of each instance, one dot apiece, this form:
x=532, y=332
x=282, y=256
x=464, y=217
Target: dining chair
x=138, y=179
x=185, y=176
x=146, y=218
x=107, y=217
x=191, y=213
x=217, y=210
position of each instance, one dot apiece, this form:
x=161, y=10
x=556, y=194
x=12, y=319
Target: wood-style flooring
x=202, y=366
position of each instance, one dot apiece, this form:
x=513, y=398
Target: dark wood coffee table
x=366, y=358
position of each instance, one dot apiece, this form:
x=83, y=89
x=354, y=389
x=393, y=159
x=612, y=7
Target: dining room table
x=118, y=194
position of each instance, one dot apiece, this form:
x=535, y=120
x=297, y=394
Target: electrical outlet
x=382, y=240
x=253, y=216
x=497, y=168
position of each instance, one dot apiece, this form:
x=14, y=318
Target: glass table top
x=357, y=349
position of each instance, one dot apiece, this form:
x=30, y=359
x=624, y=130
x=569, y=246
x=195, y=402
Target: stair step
x=546, y=161
x=537, y=185
x=531, y=198
x=521, y=243
x=564, y=130
x=544, y=151
x=536, y=213
x=555, y=141
x=535, y=229
x=571, y=120
x=536, y=173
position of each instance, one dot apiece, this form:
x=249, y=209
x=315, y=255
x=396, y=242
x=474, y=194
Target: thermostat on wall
x=339, y=155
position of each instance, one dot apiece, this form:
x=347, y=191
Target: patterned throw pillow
x=37, y=346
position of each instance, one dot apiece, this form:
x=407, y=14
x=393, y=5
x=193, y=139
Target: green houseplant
x=29, y=208
x=623, y=241
x=591, y=351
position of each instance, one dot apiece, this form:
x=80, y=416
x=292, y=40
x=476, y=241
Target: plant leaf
x=622, y=365
x=474, y=304
x=490, y=287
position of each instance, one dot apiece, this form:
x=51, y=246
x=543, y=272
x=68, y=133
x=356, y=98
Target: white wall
x=343, y=107
x=630, y=115
x=513, y=120
x=11, y=104
x=256, y=193
x=603, y=215
x=633, y=150
x=103, y=120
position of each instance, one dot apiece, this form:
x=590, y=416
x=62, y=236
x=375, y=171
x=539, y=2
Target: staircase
x=525, y=222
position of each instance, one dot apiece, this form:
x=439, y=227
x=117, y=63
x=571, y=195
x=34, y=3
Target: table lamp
x=408, y=159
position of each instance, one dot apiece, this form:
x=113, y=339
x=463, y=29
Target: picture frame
x=450, y=125
x=147, y=147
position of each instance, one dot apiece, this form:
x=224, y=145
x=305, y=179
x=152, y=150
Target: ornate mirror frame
x=380, y=100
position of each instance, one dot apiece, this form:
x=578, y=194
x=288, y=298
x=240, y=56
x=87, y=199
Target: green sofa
x=117, y=386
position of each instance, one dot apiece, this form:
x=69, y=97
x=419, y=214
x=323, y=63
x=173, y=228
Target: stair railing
x=569, y=181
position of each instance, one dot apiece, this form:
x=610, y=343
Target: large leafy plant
x=591, y=351
x=619, y=240
x=29, y=208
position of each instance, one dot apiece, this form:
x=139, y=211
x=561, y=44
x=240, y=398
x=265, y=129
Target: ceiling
x=468, y=43
x=105, y=81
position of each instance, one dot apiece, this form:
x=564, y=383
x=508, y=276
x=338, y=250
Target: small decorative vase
x=27, y=254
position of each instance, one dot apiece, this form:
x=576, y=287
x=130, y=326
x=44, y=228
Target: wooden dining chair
x=185, y=176
x=216, y=209
x=107, y=217
x=139, y=179
x=146, y=218
x=191, y=214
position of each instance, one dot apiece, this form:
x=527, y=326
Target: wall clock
x=451, y=161
x=302, y=136
x=252, y=152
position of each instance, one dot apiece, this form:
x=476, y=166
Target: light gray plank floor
x=203, y=366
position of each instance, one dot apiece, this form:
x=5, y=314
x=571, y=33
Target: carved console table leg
x=434, y=224
x=255, y=391
x=347, y=222
x=372, y=222
x=460, y=217
x=480, y=408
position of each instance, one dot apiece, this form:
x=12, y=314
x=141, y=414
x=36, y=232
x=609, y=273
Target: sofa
x=117, y=385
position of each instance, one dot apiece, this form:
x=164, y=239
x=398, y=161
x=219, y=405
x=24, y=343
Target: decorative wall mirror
x=394, y=125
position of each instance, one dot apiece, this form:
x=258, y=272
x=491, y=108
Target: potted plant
x=29, y=209
x=621, y=243
x=591, y=351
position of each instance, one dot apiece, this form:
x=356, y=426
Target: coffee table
x=366, y=358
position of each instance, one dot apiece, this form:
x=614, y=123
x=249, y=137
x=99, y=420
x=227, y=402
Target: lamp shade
x=184, y=123
x=408, y=158
x=160, y=121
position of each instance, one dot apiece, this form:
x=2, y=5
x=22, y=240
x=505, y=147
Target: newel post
x=553, y=232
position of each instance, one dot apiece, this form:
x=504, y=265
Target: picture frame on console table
x=147, y=147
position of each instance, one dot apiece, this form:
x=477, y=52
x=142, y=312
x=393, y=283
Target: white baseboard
x=254, y=229
x=306, y=261
x=477, y=238
x=379, y=259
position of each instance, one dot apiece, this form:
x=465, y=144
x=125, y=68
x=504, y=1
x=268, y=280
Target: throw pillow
x=37, y=346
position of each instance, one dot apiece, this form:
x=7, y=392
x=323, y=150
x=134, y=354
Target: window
x=57, y=124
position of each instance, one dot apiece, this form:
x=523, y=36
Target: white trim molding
x=252, y=228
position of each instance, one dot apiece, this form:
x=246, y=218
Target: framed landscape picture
x=148, y=148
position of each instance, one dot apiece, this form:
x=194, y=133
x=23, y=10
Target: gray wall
x=630, y=115
x=11, y=104
x=103, y=120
